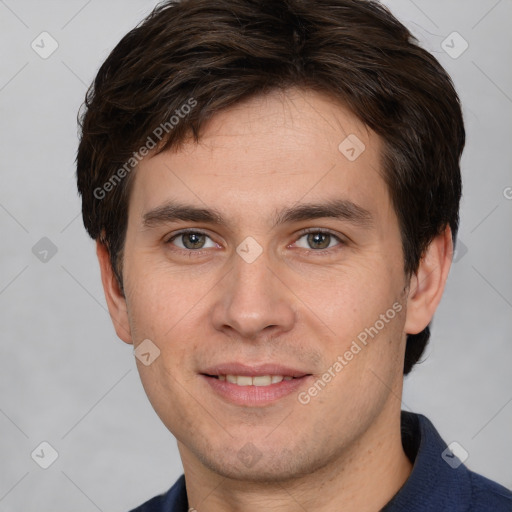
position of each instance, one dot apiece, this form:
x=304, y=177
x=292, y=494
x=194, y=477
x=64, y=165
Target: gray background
x=64, y=376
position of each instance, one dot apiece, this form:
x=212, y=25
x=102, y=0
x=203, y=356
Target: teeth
x=260, y=380
x=244, y=381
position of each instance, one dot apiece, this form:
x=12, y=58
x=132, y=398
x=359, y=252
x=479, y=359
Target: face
x=293, y=264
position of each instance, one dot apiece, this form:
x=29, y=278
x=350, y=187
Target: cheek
x=159, y=297
x=351, y=300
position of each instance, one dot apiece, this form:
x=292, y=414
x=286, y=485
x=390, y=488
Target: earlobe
x=116, y=301
x=427, y=284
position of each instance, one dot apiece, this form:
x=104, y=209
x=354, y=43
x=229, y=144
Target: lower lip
x=255, y=395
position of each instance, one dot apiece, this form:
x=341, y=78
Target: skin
x=292, y=305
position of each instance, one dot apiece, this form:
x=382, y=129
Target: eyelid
x=305, y=231
x=185, y=232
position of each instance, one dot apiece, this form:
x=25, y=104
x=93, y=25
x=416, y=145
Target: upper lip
x=253, y=370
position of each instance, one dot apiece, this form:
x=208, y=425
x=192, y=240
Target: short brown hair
x=219, y=53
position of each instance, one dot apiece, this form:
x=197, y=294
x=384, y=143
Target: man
x=274, y=190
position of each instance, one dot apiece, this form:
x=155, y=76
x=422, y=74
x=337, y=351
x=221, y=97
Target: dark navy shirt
x=437, y=482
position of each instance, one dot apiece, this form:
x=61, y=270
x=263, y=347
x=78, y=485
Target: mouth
x=257, y=380
x=253, y=385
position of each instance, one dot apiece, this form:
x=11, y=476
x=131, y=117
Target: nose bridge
x=252, y=278
x=252, y=297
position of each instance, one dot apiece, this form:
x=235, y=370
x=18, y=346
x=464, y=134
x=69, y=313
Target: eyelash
x=318, y=252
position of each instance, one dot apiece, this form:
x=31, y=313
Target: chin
x=267, y=467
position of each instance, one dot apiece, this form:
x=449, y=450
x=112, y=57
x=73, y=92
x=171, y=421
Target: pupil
x=192, y=240
x=316, y=238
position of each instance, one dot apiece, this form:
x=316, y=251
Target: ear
x=116, y=301
x=427, y=284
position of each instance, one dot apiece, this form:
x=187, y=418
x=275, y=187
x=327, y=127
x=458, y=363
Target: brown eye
x=317, y=240
x=190, y=240
x=193, y=240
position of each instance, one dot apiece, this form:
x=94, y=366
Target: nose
x=254, y=300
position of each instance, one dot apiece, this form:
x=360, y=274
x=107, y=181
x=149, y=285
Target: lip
x=254, y=396
x=253, y=370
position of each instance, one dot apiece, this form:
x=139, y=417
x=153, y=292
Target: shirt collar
x=437, y=479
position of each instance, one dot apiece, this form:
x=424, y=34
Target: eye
x=191, y=240
x=317, y=239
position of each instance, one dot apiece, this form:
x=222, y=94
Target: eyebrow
x=341, y=209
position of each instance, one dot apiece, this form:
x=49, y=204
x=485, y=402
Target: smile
x=259, y=380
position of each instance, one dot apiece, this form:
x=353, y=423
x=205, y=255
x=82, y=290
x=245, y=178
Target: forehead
x=296, y=146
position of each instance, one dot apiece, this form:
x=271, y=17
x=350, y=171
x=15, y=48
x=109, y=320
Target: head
x=249, y=111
